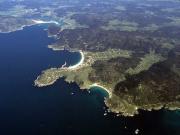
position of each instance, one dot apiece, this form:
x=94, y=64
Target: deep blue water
x=53, y=110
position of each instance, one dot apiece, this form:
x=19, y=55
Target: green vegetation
x=109, y=54
x=167, y=46
x=176, y=69
x=17, y=11
x=175, y=21
x=118, y=104
x=146, y=62
x=70, y=23
x=80, y=75
x=121, y=25
x=115, y=42
x=151, y=27
x=120, y=8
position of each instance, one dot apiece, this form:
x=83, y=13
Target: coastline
x=77, y=66
x=63, y=67
x=37, y=84
x=130, y=110
x=34, y=22
x=17, y=29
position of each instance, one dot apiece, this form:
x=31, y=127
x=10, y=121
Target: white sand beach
x=74, y=67
x=44, y=22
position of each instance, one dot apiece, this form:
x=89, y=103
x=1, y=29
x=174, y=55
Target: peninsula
x=79, y=72
x=132, y=54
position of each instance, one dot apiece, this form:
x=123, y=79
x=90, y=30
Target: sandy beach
x=44, y=22
x=76, y=66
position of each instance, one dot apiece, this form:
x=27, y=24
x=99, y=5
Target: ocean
x=60, y=109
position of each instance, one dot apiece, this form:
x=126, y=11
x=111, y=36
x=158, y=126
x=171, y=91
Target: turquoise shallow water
x=171, y=119
x=60, y=109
